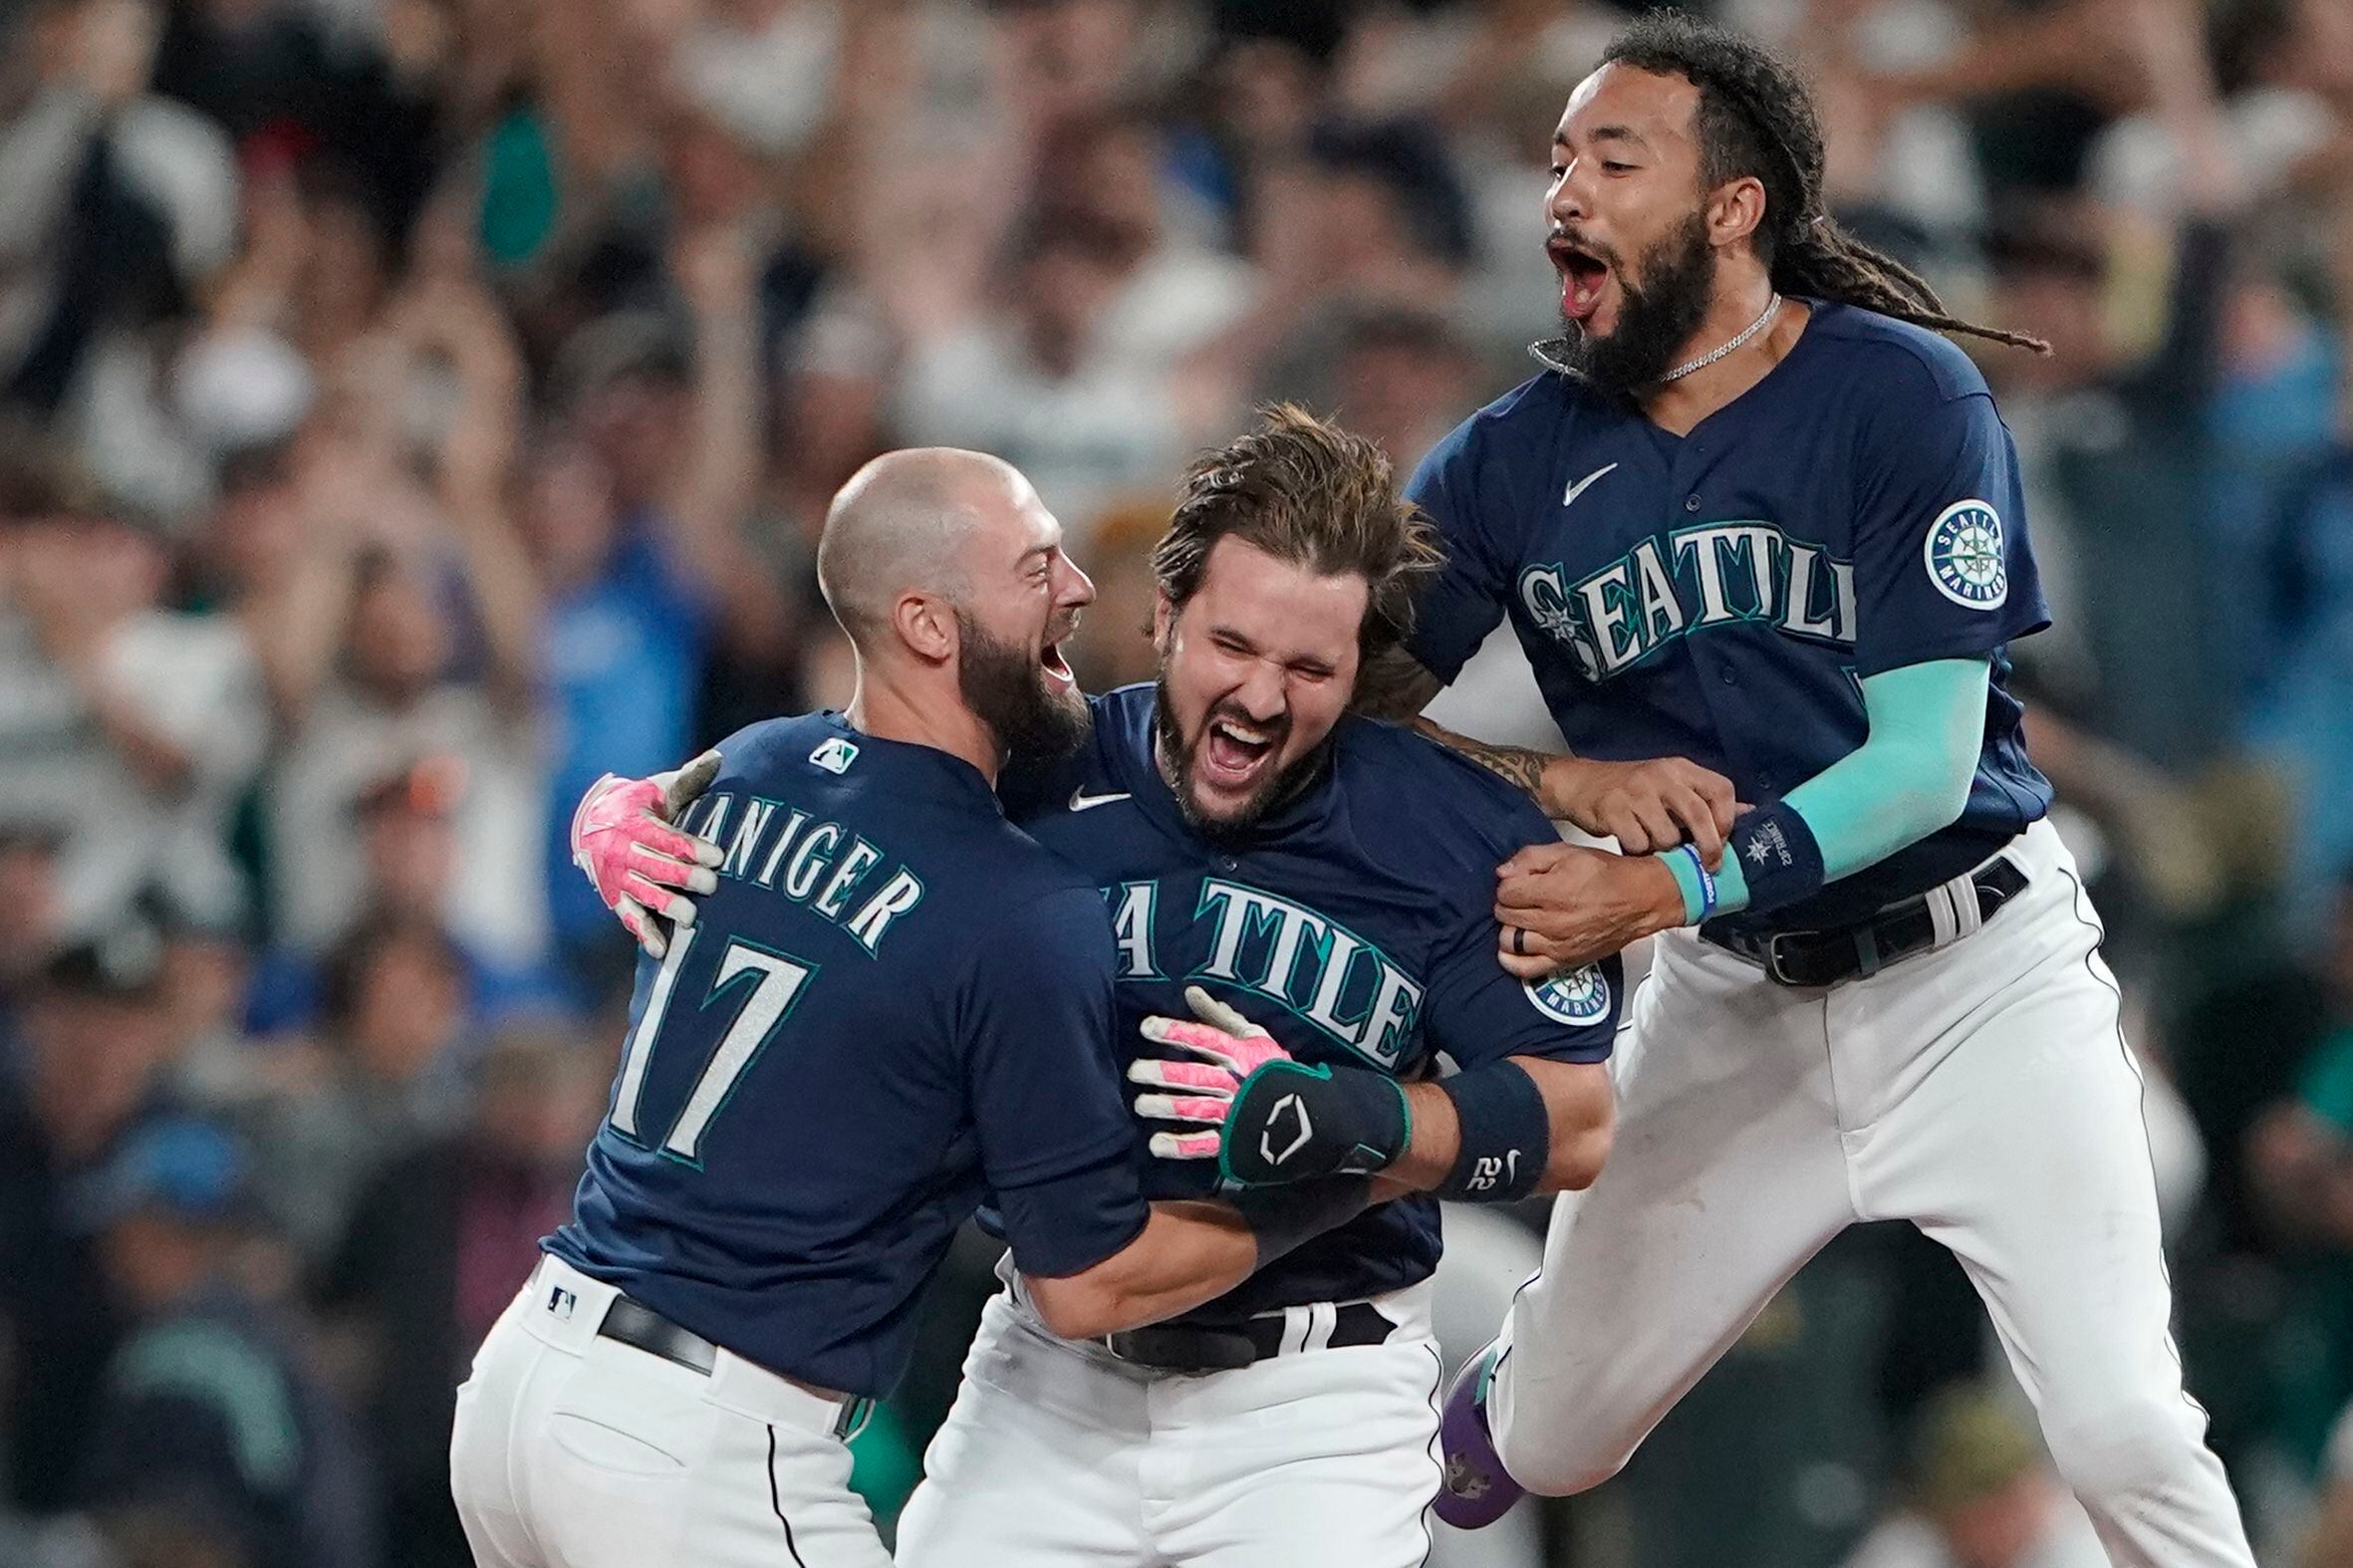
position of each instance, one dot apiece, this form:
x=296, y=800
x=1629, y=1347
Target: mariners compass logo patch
x=1964, y=555
x=1581, y=997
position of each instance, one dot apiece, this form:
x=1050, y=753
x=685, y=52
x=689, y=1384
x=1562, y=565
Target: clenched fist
x=1561, y=906
x=1646, y=806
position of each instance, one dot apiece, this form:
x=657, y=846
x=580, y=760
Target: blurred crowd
x=411, y=409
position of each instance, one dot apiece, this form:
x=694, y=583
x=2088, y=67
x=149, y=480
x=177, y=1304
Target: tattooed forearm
x=1517, y=766
x=1391, y=684
x=1394, y=686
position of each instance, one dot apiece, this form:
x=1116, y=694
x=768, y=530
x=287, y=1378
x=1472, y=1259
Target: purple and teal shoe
x=1475, y=1490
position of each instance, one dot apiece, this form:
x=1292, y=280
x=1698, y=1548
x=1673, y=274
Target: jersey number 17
x=774, y=984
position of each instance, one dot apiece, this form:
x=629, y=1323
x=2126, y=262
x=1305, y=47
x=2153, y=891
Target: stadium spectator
x=2301, y=1160
x=384, y=1076
x=88, y=1069
x=376, y=673
x=206, y=1410
x=1982, y=1496
x=133, y=727
x=437, y=1243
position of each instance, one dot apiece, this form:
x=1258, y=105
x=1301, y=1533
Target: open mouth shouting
x=1235, y=756
x=1050, y=658
x=1585, y=273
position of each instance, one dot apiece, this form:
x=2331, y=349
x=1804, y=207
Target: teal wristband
x=1692, y=881
x=1706, y=883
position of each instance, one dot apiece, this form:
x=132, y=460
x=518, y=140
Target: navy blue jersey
x=894, y=1002
x=1720, y=596
x=1355, y=924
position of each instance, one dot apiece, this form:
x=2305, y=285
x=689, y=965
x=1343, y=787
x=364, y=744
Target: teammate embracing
x=894, y=1001
x=1257, y=845
x=1762, y=522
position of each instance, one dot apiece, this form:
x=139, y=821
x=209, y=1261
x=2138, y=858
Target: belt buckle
x=1772, y=962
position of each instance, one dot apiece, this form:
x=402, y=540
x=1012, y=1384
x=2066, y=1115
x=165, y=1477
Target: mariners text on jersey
x=1721, y=595
x=893, y=1003
x=1355, y=923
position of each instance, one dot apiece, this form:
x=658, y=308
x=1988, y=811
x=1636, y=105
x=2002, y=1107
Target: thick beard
x=1655, y=321
x=1176, y=760
x=1004, y=685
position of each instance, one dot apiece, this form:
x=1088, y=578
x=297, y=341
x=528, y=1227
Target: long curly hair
x=1306, y=491
x=1756, y=119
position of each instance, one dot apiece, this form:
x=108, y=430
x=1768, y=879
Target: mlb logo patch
x=835, y=756
x=1579, y=997
x=561, y=1302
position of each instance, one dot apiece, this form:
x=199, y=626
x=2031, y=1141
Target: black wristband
x=1507, y=1135
x=1779, y=860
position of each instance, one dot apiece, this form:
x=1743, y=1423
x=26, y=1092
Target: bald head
x=905, y=524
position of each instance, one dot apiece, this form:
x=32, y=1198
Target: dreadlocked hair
x=1756, y=119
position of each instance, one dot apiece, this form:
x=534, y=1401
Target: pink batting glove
x=623, y=840
x=1233, y=1048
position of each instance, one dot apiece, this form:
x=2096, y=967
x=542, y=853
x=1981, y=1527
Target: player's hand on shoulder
x=1561, y=906
x=640, y=864
x=1646, y=806
x=1198, y=1095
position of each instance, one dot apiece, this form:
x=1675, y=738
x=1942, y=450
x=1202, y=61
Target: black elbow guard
x=1507, y=1135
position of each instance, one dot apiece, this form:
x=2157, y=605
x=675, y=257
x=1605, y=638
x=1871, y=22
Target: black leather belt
x=1176, y=1347
x=1826, y=957
x=642, y=1328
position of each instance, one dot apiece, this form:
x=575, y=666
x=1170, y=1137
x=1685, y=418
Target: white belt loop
x=1323, y=1317
x=1968, y=913
x=1942, y=919
x=1297, y=1322
x=1953, y=909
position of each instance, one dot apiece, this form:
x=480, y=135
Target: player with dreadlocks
x=1754, y=120
x=1753, y=124
x=1759, y=531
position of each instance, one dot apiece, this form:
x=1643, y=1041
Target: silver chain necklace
x=1773, y=309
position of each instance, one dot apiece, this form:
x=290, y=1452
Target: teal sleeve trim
x=1909, y=778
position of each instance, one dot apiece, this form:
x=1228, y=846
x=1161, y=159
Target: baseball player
x=1758, y=519
x=1253, y=841
x=893, y=999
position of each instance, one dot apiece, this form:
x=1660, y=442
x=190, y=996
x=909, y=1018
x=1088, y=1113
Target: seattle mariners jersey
x=1719, y=595
x=1355, y=924
x=894, y=1001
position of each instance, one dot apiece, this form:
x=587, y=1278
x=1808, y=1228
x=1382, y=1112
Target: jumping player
x=892, y=1000
x=1252, y=840
x=1760, y=520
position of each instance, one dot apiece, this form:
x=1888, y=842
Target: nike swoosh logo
x=1080, y=800
x=1578, y=489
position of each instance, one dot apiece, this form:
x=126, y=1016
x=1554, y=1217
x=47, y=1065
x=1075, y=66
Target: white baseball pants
x=1980, y=1090
x=576, y=1451
x=1060, y=1454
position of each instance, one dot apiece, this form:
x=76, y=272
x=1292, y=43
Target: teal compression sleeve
x=1910, y=777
